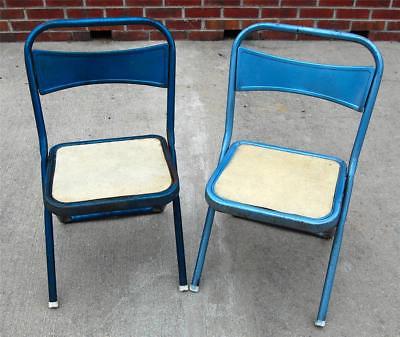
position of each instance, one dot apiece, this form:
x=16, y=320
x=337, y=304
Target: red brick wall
x=203, y=19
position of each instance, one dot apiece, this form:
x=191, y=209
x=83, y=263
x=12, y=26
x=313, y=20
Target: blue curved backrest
x=57, y=70
x=345, y=85
x=353, y=86
x=60, y=70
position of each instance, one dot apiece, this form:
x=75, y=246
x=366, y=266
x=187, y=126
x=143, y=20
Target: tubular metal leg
x=180, y=248
x=51, y=267
x=194, y=287
x=330, y=276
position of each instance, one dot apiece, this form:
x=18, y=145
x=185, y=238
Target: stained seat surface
x=278, y=180
x=110, y=169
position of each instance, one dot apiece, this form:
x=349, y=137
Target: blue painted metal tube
x=203, y=248
x=91, y=22
x=180, y=248
x=171, y=100
x=334, y=258
x=230, y=106
x=102, y=215
x=51, y=266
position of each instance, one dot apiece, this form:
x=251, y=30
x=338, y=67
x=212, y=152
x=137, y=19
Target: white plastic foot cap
x=319, y=323
x=183, y=288
x=53, y=305
x=194, y=289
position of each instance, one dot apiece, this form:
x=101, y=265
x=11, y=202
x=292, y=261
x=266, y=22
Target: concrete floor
x=119, y=277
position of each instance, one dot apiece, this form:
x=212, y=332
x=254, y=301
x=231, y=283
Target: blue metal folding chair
x=100, y=178
x=285, y=187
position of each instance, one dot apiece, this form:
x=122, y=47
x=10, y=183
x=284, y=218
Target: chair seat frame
x=363, y=103
x=110, y=204
x=318, y=226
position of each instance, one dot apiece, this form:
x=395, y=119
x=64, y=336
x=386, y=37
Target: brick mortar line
x=233, y=18
x=372, y=9
x=185, y=17
x=251, y=19
x=125, y=29
x=390, y=7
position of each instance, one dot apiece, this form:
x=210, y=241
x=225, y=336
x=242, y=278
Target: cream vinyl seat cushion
x=279, y=180
x=110, y=169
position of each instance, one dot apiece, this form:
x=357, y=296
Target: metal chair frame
x=50, y=71
x=358, y=87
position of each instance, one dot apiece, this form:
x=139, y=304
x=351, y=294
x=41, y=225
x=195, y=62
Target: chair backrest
x=341, y=84
x=60, y=70
x=355, y=87
x=50, y=71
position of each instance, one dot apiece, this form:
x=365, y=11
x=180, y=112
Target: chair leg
x=330, y=276
x=51, y=267
x=194, y=287
x=180, y=249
